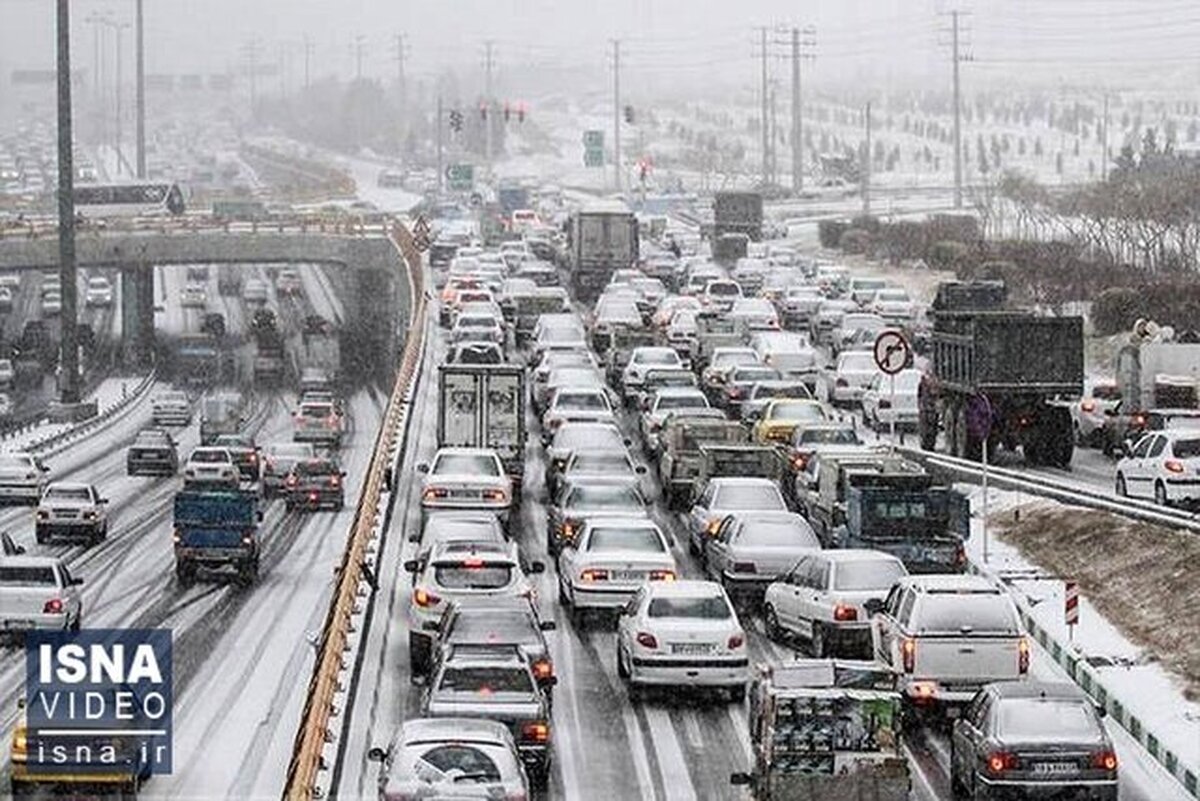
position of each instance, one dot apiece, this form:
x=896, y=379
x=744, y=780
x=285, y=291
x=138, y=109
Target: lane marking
x=677, y=779
x=633, y=732
x=919, y=772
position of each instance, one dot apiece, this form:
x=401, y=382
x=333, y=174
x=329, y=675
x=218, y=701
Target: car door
x=885, y=625
x=699, y=515
x=717, y=548
x=70, y=591
x=1138, y=481
x=809, y=609
x=1151, y=466
x=968, y=735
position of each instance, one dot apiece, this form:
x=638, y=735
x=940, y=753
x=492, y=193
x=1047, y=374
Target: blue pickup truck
x=216, y=530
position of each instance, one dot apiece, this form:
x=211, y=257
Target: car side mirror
x=412, y=565
x=640, y=469
x=45, y=468
x=102, y=500
x=377, y=755
x=737, y=779
x=627, y=442
x=548, y=625
x=76, y=582
x=1101, y=710
x=432, y=625
x=549, y=681
x=1127, y=448
x=873, y=606
x=423, y=467
x=537, y=567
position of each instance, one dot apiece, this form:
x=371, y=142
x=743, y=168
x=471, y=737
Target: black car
x=315, y=484
x=505, y=620
x=153, y=452
x=1032, y=739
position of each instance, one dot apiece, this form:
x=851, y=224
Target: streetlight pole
x=141, y=95
x=69, y=385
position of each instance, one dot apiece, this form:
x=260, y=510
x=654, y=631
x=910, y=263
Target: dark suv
x=315, y=484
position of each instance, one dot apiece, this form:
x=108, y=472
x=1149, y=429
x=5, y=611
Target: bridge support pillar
x=137, y=314
x=371, y=315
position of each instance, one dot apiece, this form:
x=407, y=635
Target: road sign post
x=892, y=354
x=1071, y=606
x=460, y=177
x=593, y=148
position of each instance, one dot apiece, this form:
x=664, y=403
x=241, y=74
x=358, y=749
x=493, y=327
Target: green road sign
x=593, y=140
x=593, y=157
x=461, y=177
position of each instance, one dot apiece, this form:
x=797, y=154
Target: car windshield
x=1046, y=719
x=734, y=358
x=316, y=468
x=75, y=494
x=317, y=410
x=778, y=533
x=748, y=375
x=709, y=607
x=758, y=497
x=604, y=497
x=1187, y=448
x=599, y=462
x=476, y=464
x=657, y=357
x=1108, y=392
x=600, y=438
x=289, y=451
x=975, y=612
x=793, y=391
x=722, y=288
x=867, y=575
x=454, y=762
x=463, y=576
x=829, y=436
x=626, y=539
x=210, y=457
x=682, y=402
x=486, y=680
x=476, y=322
x=26, y=575
x=797, y=411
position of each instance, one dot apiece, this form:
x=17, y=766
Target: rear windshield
x=1106, y=392
x=752, y=496
x=626, y=539
x=829, y=436
x=316, y=410
x=722, y=288
x=797, y=391
x=975, y=612
x=316, y=468
x=456, y=763
x=471, y=464
x=463, y=577
x=26, y=576
x=486, y=680
x=584, y=401
x=858, y=362
x=778, y=533
x=657, y=357
x=15, y=462
x=1048, y=719
x=619, y=497
x=682, y=402
x=712, y=607
x=1187, y=448
x=877, y=575
x=210, y=457
x=797, y=411
x=68, y=494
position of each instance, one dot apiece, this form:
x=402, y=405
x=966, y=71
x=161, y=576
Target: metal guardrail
x=326, y=683
x=102, y=420
x=349, y=224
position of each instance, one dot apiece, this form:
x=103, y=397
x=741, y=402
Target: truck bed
x=1009, y=351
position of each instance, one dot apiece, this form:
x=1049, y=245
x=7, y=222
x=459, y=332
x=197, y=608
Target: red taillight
x=662, y=575
x=53, y=607
x=646, y=639
x=425, y=599
x=1088, y=405
x=744, y=567
x=435, y=493
x=960, y=555
x=292, y=481
x=1173, y=466
x=593, y=575
x=535, y=731
x=543, y=669
x=335, y=481
x=253, y=458
x=735, y=392
x=1023, y=655
x=736, y=641
x=1139, y=420
x=494, y=495
x=800, y=461
x=313, y=496
x=1000, y=761
x=908, y=653
x=1104, y=760
x=474, y=563
x=844, y=612
x=331, y=421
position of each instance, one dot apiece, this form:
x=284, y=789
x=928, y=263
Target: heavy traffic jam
x=698, y=442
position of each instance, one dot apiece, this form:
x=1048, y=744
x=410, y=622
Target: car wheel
x=1122, y=490
x=818, y=644
x=737, y=694
x=1160, y=494
x=77, y=623
x=771, y=622
x=622, y=671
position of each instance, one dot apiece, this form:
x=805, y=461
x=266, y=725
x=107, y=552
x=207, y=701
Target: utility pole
x=140, y=130
x=798, y=104
x=616, y=44
x=441, y=122
x=774, y=137
x=69, y=383
x=252, y=67
x=400, y=84
x=489, y=63
x=867, y=164
x=98, y=23
x=957, y=116
x=1104, y=143
x=358, y=56
x=308, y=51
x=118, y=27
x=766, y=141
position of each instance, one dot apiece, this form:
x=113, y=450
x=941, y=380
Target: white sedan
x=892, y=400
x=1163, y=466
x=844, y=382
x=610, y=559
x=682, y=634
x=71, y=510
x=466, y=478
x=22, y=477
x=208, y=465
x=644, y=359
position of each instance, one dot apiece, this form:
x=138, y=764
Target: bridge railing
x=354, y=574
x=192, y=224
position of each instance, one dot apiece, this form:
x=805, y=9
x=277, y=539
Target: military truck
x=738, y=213
x=602, y=237
x=885, y=502
x=1000, y=374
x=682, y=464
x=825, y=730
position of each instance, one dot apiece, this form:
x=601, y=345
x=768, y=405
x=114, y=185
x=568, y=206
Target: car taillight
x=313, y=496
x=593, y=575
x=1104, y=760
x=335, y=481
x=646, y=639
x=269, y=466
x=713, y=525
x=735, y=641
x=960, y=555
x=845, y=612
x=425, y=599
x=495, y=495
x=253, y=458
x=535, y=731
x=662, y=575
x=53, y=607
x=744, y=567
x=908, y=653
x=331, y=421
x=735, y=392
x=43, y=514
x=800, y=461
x=291, y=481
x=434, y=493
x=556, y=423
x=1000, y=761
x=1138, y=421
x=1173, y=466
x=1023, y=655
x=176, y=537
x=1087, y=405
x=248, y=536
x=543, y=669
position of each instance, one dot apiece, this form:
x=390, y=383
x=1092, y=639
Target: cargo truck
x=738, y=213
x=483, y=406
x=602, y=237
x=214, y=530
x=1000, y=375
x=822, y=730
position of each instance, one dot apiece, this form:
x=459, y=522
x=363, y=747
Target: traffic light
x=483, y=111
x=507, y=111
x=456, y=120
x=629, y=114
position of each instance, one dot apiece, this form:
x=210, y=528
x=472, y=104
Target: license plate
x=464, y=493
x=18, y=625
x=691, y=648
x=1055, y=768
x=628, y=575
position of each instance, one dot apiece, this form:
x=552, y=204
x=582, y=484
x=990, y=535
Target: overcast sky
x=1064, y=39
